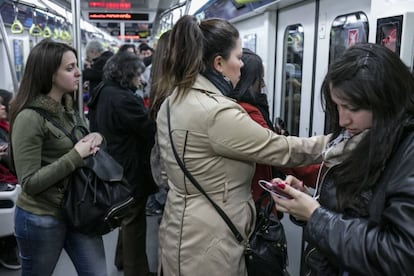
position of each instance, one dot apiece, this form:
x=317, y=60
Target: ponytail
x=185, y=59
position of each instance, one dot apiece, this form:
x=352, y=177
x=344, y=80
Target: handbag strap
x=71, y=134
x=230, y=224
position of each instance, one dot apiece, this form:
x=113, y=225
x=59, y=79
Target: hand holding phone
x=272, y=188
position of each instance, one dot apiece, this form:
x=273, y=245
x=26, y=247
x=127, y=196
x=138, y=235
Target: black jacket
x=378, y=241
x=94, y=74
x=123, y=120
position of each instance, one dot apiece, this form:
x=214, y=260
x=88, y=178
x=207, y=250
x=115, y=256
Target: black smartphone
x=272, y=188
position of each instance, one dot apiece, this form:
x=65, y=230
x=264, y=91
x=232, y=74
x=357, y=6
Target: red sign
x=111, y=5
x=353, y=37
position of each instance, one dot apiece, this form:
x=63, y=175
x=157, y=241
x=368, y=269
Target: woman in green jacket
x=44, y=158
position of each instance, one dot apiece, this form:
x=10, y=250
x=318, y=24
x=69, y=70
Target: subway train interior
x=297, y=40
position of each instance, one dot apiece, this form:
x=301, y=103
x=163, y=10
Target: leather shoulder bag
x=98, y=196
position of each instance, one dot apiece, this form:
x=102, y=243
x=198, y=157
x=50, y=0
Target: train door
x=340, y=25
x=293, y=80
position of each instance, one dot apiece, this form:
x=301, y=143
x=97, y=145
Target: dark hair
x=193, y=47
x=144, y=47
x=160, y=89
x=6, y=96
x=122, y=68
x=125, y=48
x=248, y=88
x=43, y=62
x=251, y=78
x=370, y=77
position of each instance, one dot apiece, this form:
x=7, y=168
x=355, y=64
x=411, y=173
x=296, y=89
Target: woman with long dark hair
x=360, y=219
x=44, y=158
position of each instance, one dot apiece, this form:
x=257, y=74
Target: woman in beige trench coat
x=219, y=144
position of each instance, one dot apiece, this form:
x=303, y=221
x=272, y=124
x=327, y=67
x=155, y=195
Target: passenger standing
x=146, y=53
x=122, y=118
x=128, y=47
x=360, y=221
x=219, y=144
x=248, y=93
x=160, y=88
x=145, y=50
x=44, y=158
x=98, y=57
x=159, y=91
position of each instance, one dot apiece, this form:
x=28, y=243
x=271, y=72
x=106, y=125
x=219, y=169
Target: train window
x=249, y=41
x=389, y=32
x=347, y=30
x=293, y=62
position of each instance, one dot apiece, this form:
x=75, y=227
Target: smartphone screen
x=272, y=188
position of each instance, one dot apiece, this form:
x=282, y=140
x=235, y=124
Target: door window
x=293, y=63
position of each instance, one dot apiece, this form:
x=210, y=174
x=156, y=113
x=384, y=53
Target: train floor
x=66, y=268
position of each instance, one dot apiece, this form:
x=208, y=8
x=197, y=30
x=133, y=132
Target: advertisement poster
x=18, y=58
x=353, y=37
x=389, y=32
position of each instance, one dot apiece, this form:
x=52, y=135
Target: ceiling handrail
x=17, y=26
x=35, y=29
x=47, y=32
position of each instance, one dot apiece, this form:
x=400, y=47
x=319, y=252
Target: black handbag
x=266, y=254
x=98, y=195
x=266, y=250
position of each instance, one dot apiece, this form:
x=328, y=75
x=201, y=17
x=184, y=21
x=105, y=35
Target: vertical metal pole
x=76, y=39
x=9, y=57
x=187, y=7
x=122, y=31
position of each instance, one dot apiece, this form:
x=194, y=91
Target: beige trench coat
x=219, y=144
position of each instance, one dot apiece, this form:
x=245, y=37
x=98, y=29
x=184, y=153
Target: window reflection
x=346, y=30
x=389, y=32
x=293, y=78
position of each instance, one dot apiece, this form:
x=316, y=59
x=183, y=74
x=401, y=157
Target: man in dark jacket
x=97, y=57
x=121, y=117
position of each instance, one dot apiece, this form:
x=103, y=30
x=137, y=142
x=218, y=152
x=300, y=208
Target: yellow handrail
x=47, y=32
x=35, y=30
x=65, y=35
x=17, y=27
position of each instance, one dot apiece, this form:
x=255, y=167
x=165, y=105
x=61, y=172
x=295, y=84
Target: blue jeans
x=42, y=238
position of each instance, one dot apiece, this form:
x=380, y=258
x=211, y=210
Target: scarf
x=4, y=125
x=341, y=147
x=219, y=81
